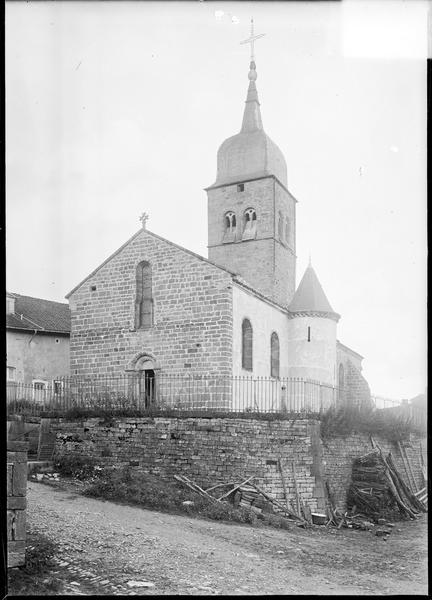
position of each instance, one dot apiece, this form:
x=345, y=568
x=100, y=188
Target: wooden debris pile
x=378, y=490
x=245, y=494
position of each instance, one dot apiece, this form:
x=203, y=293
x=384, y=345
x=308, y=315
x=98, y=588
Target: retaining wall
x=16, y=502
x=220, y=450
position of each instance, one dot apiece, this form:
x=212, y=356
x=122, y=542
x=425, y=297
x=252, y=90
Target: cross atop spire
x=251, y=40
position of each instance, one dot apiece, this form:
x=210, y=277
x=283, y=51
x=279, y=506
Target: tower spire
x=252, y=115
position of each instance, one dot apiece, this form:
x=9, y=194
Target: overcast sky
x=117, y=108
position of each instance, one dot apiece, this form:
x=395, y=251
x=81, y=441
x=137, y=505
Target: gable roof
x=147, y=231
x=39, y=314
x=310, y=296
x=348, y=349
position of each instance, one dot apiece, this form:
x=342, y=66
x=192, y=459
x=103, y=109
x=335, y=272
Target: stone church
x=155, y=309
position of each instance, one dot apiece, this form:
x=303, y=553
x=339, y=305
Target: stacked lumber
x=377, y=488
x=249, y=497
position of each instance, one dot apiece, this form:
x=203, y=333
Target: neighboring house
x=37, y=341
x=155, y=308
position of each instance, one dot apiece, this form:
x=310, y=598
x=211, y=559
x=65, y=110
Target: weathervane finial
x=251, y=40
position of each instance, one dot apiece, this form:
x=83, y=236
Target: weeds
x=348, y=419
x=78, y=467
x=36, y=577
x=150, y=491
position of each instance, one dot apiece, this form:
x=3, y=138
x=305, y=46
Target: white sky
x=117, y=108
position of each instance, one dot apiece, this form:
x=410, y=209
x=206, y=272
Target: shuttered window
x=143, y=300
x=247, y=345
x=274, y=355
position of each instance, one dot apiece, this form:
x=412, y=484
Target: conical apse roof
x=310, y=296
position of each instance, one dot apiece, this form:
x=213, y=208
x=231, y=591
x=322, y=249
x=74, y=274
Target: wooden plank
x=295, y=486
x=415, y=487
x=404, y=463
x=234, y=489
x=283, y=483
x=279, y=505
x=194, y=487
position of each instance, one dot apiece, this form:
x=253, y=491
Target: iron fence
x=402, y=409
x=192, y=393
x=175, y=392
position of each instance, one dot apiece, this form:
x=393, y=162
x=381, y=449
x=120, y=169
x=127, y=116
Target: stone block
x=16, y=502
x=9, y=479
x=16, y=553
x=20, y=525
x=19, y=479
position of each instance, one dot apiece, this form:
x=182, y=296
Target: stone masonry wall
x=192, y=330
x=263, y=262
x=16, y=502
x=339, y=453
x=220, y=450
x=208, y=450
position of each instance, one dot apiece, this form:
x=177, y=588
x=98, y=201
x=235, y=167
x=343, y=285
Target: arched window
x=280, y=227
x=274, y=355
x=341, y=377
x=247, y=345
x=143, y=299
x=250, y=224
x=287, y=232
x=230, y=221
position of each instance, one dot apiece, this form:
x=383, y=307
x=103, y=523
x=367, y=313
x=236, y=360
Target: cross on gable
x=251, y=40
x=144, y=218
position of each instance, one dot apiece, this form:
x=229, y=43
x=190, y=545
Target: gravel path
x=103, y=546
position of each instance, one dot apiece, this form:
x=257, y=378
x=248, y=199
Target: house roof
x=310, y=296
x=348, y=349
x=39, y=314
x=155, y=235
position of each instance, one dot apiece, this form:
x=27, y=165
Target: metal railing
x=402, y=409
x=175, y=392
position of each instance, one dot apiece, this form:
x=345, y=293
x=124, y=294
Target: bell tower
x=251, y=213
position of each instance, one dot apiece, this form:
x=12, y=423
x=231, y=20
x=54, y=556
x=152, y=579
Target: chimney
x=10, y=304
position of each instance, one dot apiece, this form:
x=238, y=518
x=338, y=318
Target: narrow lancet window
x=250, y=224
x=274, y=355
x=280, y=227
x=230, y=224
x=287, y=232
x=143, y=299
x=247, y=345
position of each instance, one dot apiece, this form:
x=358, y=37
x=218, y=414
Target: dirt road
x=104, y=545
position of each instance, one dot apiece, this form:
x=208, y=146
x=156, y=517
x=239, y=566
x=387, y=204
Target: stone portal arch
x=142, y=371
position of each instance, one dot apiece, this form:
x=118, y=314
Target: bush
x=79, y=467
x=348, y=419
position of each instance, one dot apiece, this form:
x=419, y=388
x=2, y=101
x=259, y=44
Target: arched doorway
x=144, y=383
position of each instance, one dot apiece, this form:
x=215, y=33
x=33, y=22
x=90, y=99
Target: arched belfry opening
x=142, y=372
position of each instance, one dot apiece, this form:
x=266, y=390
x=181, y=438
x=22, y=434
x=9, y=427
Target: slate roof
x=42, y=315
x=310, y=296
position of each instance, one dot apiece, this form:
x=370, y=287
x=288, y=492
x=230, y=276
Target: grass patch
x=36, y=578
x=78, y=413
x=150, y=491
